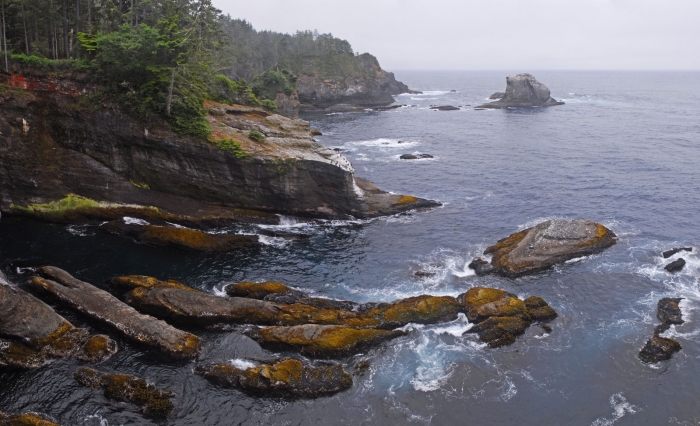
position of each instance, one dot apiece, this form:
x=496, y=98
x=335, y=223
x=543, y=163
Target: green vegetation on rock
x=70, y=202
x=232, y=146
x=256, y=136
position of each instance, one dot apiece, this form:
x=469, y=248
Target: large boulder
x=107, y=309
x=547, y=244
x=288, y=378
x=322, y=341
x=32, y=334
x=675, y=266
x=523, y=90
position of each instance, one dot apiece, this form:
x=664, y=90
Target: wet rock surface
x=523, y=90
x=500, y=317
x=414, y=156
x=107, y=309
x=27, y=419
x=546, y=244
x=675, y=266
x=287, y=378
x=97, y=348
x=322, y=341
x=662, y=348
x=126, y=388
x=32, y=333
x=445, y=108
x=669, y=312
x=480, y=267
x=269, y=290
x=669, y=253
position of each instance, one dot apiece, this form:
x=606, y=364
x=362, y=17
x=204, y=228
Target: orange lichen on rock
x=28, y=419
x=256, y=290
x=406, y=199
x=130, y=282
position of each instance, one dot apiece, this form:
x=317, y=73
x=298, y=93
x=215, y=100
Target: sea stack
x=523, y=90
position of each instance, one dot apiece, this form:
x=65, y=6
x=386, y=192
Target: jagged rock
x=659, y=349
x=675, y=266
x=269, y=290
x=497, y=95
x=288, y=378
x=32, y=333
x=445, y=108
x=182, y=238
x=538, y=310
x=500, y=331
x=322, y=341
x=97, y=348
x=480, y=267
x=547, y=244
x=27, y=419
x=107, y=309
x=414, y=156
x=126, y=388
x=522, y=90
x=669, y=312
x=669, y=253
x=361, y=368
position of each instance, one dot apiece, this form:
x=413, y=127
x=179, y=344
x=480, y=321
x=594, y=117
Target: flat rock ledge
x=500, y=316
x=288, y=378
x=126, y=388
x=522, y=90
x=107, y=309
x=26, y=419
x=662, y=348
x=543, y=246
x=32, y=333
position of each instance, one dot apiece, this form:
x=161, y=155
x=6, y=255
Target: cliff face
x=54, y=141
x=344, y=79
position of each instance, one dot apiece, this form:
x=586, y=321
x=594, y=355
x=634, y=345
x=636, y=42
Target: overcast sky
x=496, y=34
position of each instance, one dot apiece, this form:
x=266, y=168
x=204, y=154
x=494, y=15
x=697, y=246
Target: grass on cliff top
x=69, y=202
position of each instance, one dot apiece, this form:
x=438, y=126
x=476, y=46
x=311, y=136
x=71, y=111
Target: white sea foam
x=96, y=419
x=620, y=407
x=388, y=143
x=276, y=242
x=80, y=230
x=242, y=364
x=135, y=221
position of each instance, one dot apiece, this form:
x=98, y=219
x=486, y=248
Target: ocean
x=623, y=151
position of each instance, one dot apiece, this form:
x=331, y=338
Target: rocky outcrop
x=54, y=142
x=322, y=341
x=126, y=388
x=27, y=419
x=97, y=349
x=675, y=266
x=497, y=95
x=522, y=90
x=662, y=348
x=269, y=290
x=669, y=253
x=542, y=246
x=356, y=81
x=288, y=378
x=181, y=238
x=31, y=333
x=107, y=309
x=500, y=317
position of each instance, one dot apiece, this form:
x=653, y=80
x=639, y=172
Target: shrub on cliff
x=226, y=91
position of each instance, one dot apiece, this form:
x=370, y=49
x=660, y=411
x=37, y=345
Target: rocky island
x=522, y=90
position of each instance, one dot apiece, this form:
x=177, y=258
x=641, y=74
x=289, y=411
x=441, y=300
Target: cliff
x=57, y=138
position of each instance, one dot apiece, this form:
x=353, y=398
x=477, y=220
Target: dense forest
x=161, y=58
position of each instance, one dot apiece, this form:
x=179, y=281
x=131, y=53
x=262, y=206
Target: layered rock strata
x=287, y=378
x=107, y=309
x=543, y=246
x=522, y=90
x=126, y=388
x=32, y=334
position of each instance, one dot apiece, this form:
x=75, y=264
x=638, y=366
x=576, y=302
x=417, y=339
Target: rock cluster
x=522, y=90
x=544, y=245
x=662, y=348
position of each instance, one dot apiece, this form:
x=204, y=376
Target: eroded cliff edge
x=56, y=139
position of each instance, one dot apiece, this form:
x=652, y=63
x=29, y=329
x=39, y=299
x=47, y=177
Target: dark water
x=624, y=151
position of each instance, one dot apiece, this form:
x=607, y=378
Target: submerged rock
x=659, y=349
x=675, y=266
x=414, y=156
x=523, y=90
x=182, y=238
x=547, y=244
x=288, y=378
x=97, y=348
x=123, y=387
x=322, y=341
x=28, y=419
x=32, y=334
x=107, y=309
x=669, y=253
x=445, y=108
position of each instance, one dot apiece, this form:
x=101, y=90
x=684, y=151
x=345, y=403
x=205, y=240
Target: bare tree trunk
x=65, y=30
x=26, y=36
x=170, y=93
x=4, y=36
x=77, y=25
x=89, y=7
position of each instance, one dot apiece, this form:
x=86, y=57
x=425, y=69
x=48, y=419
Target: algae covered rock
x=97, y=348
x=269, y=290
x=538, y=310
x=423, y=309
x=107, y=309
x=506, y=306
x=668, y=311
x=659, y=349
x=500, y=331
x=546, y=244
x=322, y=341
x=288, y=378
x=32, y=333
x=130, y=282
x=27, y=419
x=126, y=388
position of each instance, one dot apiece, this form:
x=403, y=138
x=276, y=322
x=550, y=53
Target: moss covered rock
x=97, y=348
x=27, y=419
x=123, y=387
x=507, y=306
x=288, y=378
x=477, y=296
x=322, y=341
x=659, y=349
x=130, y=282
x=423, y=309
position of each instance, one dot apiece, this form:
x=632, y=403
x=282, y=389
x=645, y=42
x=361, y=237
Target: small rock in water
x=445, y=108
x=669, y=311
x=669, y=253
x=659, y=349
x=453, y=91
x=424, y=274
x=415, y=156
x=480, y=266
x=361, y=368
x=546, y=328
x=675, y=266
